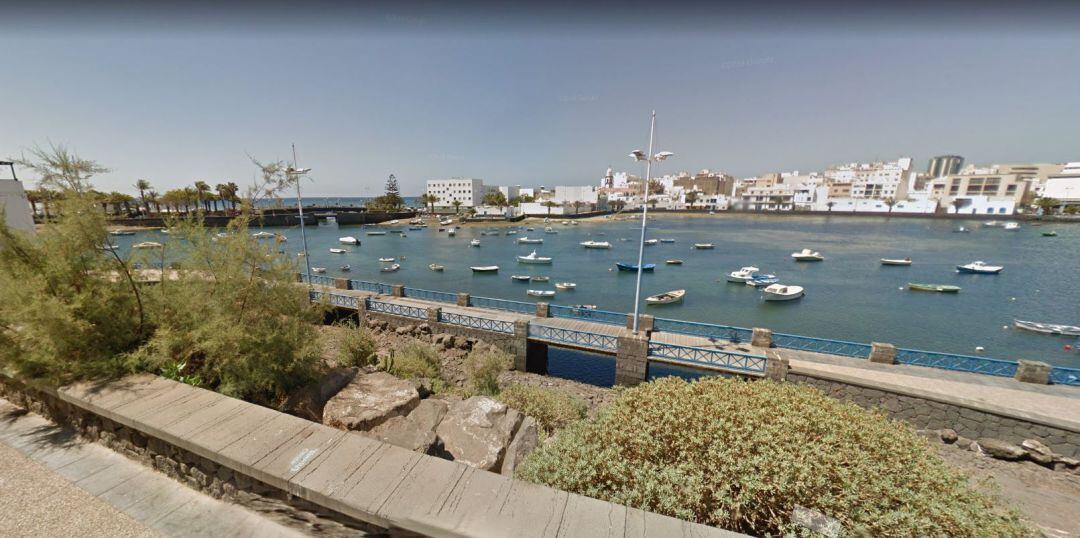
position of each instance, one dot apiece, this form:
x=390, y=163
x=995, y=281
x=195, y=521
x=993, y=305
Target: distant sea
x=337, y=201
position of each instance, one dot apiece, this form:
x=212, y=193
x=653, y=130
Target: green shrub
x=483, y=367
x=357, y=346
x=553, y=410
x=414, y=360
x=743, y=455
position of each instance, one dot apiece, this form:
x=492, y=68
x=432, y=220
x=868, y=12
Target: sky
x=532, y=96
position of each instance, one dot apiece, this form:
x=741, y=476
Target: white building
x=1065, y=186
x=510, y=191
x=13, y=201
x=877, y=180
x=586, y=194
x=469, y=191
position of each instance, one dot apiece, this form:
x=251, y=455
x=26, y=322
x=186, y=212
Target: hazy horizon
x=533, y=96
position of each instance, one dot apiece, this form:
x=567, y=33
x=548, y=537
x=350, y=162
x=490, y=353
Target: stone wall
x=505, y=342
x=187, y=468
x=925, y=414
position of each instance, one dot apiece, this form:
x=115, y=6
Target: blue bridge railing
x=716, y=358
x=502, y=304
x=474, y=322
x=574, y=338
x=396, y=309
x=708, y=330
x=599, y=316
x=1065, y=376
x=318, y=280
x=822, y=345
x=430, y=295
x=959, y=363
x=374, y=287
x=336, y=299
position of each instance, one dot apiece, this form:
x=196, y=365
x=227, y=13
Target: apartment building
x=469, y=191
x=980, y=192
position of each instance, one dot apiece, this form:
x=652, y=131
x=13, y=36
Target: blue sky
x=425, y=97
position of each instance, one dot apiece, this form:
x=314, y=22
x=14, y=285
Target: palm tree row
x=149, y=201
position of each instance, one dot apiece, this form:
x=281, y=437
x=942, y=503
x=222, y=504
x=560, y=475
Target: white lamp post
x=295, y=173
x=639, y=156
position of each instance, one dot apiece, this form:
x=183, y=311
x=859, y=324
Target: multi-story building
x=706, y=182
x=944, y=165
x=979, y=192
x=772, y=198
x=1065, y=186
x=510, y=191
x=878, y=180
x=469, y=191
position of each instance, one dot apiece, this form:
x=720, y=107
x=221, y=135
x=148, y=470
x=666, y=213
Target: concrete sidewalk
x=55, y=484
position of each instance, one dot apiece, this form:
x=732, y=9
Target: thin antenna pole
x=300, y=208
x=644, y=215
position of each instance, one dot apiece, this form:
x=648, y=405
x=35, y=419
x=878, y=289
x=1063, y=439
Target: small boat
x=121, y=232
x=895, y=261
x=595, y=244
x=349, y=240
x=667, y=297
x=940, y=288
x=346, y=268
x=521, y=278
x=526, y=241
x=565, y=285
x=961, y=230
x=511, y=232
x=262, y=235
x=979, y=268
x=474, y=243
x=991, y=223
x=807, y=255
x=165, y=231
x=673, y=262
x=648, y=267
x=585, y=306
x=390, y=268
x=397, y=232
x=415, y=228
x=446, y=222
x=338, y=251
x=147, y=244
x=318, y=269
x=781, y=292
x=1049, y=234
x=436, y=267
x=651, y=242
x=1011, y=226
x=550, y=230
x=1047, y=328
x=541, y=293
x=540, y=278
x=529, y=229
x=387, y=260
x=758, y=281
x=704, y=246
x=485, y=268
x=395, y=221
x=743, y=274
x=377, y=233
x=533, y=258
x=451, y=232
x=662, y=240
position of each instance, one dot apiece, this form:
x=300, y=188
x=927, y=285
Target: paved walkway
x=54, y=484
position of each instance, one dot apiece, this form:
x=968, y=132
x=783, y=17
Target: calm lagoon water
x=849, y=296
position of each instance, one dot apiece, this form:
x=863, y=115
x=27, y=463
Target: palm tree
x=691, y=198
x=32, y=196
x=152, y=197
x=890, y=202
x=234, y=191
x=577, y=206
x=1047, y=204
x=223, y=193
x=191, y=197
x=457, y=205
x=143, y=186
x=428, y=201
x=201, y=189
x=550, y=204
x=829, y=205
x=957, y=204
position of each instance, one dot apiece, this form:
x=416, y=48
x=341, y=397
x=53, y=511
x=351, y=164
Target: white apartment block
x=878, y=180
x=510, y=191
x=983, y=193
x=469, y=191
x=1065, y=186
x=586, y=194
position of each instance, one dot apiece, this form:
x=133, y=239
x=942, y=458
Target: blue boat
x=648, y=267
x=762, y=280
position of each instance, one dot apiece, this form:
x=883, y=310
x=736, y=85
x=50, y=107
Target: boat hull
x=939, y=288
x=969, y=270
x=633, y=268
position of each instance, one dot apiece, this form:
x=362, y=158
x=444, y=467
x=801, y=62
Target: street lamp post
x=639, y=156
x=295, y=173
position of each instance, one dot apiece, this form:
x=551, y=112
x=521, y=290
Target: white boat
x=346, y=268
x=377, y=233
x=595, y=244
x=527, y=241
x=550, y=230
x=318, y=269
x=979, y=268
x=1047, y=328
x=667, y=297
x=446, y=222
x=390, y=268
x=338, y=251
x=663, y=240
x=565, y=285
x=521, y=278
x=474, y=243
x=539, y=278
x=991, y=223
x=147, y=244
x=961, y=230
x=541, y=293
x=585, y=306
x=395, y=221
x=262, y=235
x=565, y=223
x=704, y=246
x=349, y=240
x=673, y=262
x=485, y=268
x=534, y=258
x=451, y=232
x=651, y=242
x=896, y=261
x=387, y=260
x=511, y=232
x=781, y=292
x=743, y=274
x=1012, y=226
x=807, y=255
x=436, y=267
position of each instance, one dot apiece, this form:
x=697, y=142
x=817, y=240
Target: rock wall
x=926, y=414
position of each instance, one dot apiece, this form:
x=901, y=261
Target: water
x=849, y=296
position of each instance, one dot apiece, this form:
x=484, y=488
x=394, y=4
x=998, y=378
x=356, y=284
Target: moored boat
x=565, y=285
x=474, y=243
x=390, y=268
x=760, y=280
x=539, y=278
x=338, y=251
x=961, y=230
x=318, y=269
x=541, y=293
x=528, y=241
x=807, y=255
x=1047, y=328
x=436, y=267
x=147, y=244
x=534, y=258
x=550, y=230
x=387, y=260
x=346, y=268
x=262, y=235
x=349, y=240
x=1051, y=233
x=979, y=268
x=896, y=261
x=377, y=233
x=991, y=223
x=940, y=288
x=673, y=262
x=743, y=274
x=647, y=267
x=520, y=278
x=595, y=244
x=485, y=268
x=651, y=242
x=451, y=232
x=704, y=246
x=1012, y=226
x=667, y=240
x=122, y=232
x=668, y=297
x=781, y=292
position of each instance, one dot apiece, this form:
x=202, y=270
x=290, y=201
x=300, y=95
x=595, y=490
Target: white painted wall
x=15, y=206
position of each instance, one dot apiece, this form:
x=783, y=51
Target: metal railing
x=822, y=345
x=959, y=363
x=396, y=309
x=318, y=280
x=716, y=358
x=599, y=316
x=574, y=338
x=708, y=330
x=1065, y=376
x=502, y=304
x=474, y=322
x=431, y=295
x=374, y=287
x=336, y=299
